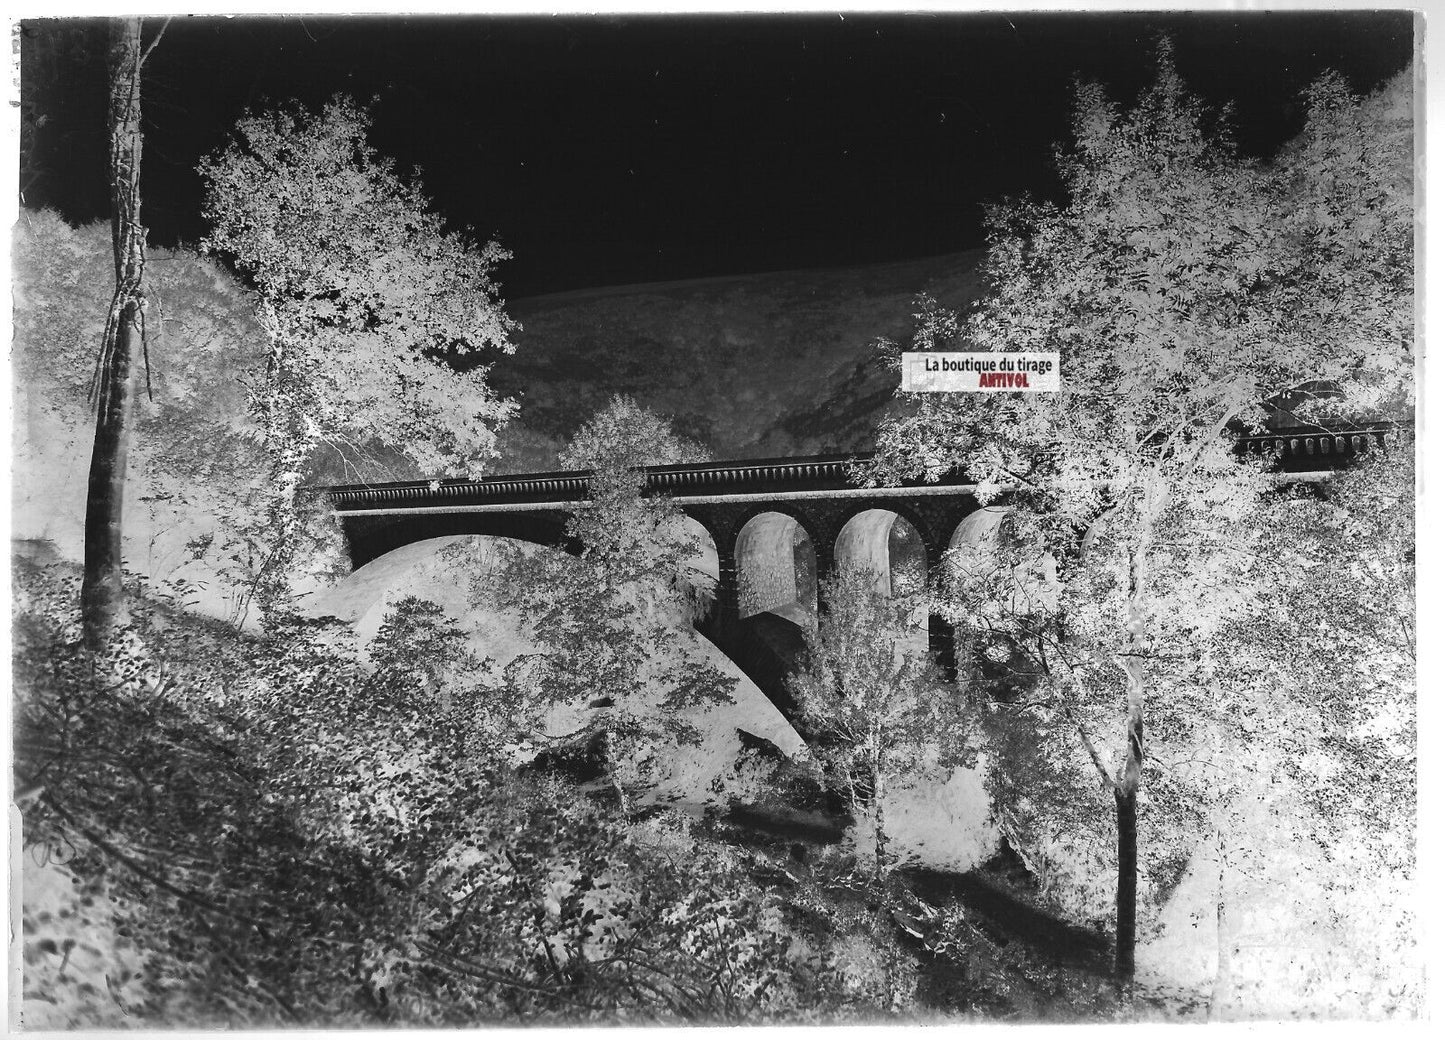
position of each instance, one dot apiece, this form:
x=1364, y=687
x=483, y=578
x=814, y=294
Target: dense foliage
x=605, y=612
x=270, y=832
x=1304, y=754
x=624, y=435
x=1136, y=584
x=369, y=305
x=879, y=712
x=363, y=292
x=879, y=716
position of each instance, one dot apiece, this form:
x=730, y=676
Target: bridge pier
x=721, y=621
x=942, y=648
x=765, y=647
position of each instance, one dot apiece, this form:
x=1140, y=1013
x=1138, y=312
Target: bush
x=282, y=834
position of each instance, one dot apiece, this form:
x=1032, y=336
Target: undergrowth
x=268, y=831
x=241, y=831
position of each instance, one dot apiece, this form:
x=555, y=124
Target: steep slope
x=753, y=366
x=196, y=474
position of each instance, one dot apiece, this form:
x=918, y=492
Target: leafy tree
x=605, y=614
x=1184, y=287
x=369, y=304
x=1281, y=775
x=879, y=714
x=1307, y=770
x=872, y=698
x=197, y=486
x=102, y=592
x=625, y=435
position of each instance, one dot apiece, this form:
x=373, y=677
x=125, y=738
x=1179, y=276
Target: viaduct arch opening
x=777, y=602
x=701, y=570
x=886, y=545
x=777, y=569
x=1028, y=586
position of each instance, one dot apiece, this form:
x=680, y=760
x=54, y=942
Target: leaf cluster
x=367, y=298
x=874, y=703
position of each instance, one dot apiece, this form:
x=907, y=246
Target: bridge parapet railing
x=1298, y=449
x=1303, y=449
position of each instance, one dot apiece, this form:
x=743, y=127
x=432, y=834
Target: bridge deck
x=1300, y=452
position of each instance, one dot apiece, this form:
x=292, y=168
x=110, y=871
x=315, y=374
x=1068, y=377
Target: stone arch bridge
x=770, y=529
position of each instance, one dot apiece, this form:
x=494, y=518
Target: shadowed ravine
x=799, y=826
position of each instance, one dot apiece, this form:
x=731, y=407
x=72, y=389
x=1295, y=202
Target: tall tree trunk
x=613, y=764
x=102, y=593
x=885, y=928
x=1223, y=940
x=1126, y=787
x=102, y=596
x=880, y=836
x=1126, y=812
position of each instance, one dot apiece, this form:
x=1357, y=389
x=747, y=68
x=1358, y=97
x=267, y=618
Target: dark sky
x=613, y=150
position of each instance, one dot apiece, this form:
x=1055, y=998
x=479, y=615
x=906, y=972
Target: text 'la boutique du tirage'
x=941, y=372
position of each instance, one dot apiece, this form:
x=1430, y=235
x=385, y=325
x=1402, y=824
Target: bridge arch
x=973, y=553
x=1022, y=587
x=701, y=568
x=983, y=529
x=777, y=568
x=703, y=557
x=888, y=545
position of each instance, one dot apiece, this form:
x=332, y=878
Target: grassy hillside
x=752, y=365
